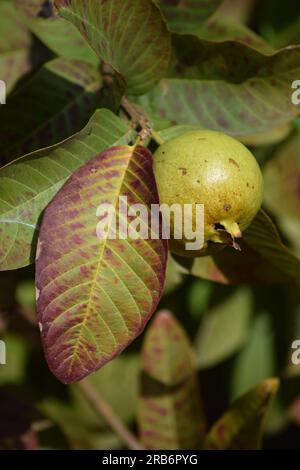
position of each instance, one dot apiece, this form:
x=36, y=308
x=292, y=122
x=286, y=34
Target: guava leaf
x=96, y=292
x=282, y=182
x=130, y=36
x=17, y=353
x=199, y=297
x=79, y=435
x=173, y=276
x=257, y=360
x=263, y=258
x=232, y=267
x=241, y=427
x=186, y=16
x=175, y=131
x=117, y=384
x=288, y=35
x=170, y=411
x=273, y=136
x=54, y=104
x=270, y=137
x=220, y=28
x=216, y=339
x=14, y=47
x=61, y=37
x=263, y=237
x=29, y=183
x=226, y=86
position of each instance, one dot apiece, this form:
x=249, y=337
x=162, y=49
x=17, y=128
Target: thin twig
x=138, y=118
x=109, y=415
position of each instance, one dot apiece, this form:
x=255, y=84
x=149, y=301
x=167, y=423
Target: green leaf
x=262, y=236
x=29, y=183
x=242, y=426
x=256, y=361
x=72, y=93
x=220, y=28
x=117, y=384
x=232, y=267
x=281, y=176
x=25, y=294
x=199, y=296
x=78, y=433
x=263, y=258
x=130, y=36
x=289, y=35
x=170, y=411
x=14, y=47
x=271, y=137
x=225, y=86
x=96, y=290
x=175, y=131
x=185, y=17
x=174, y=275
x=224, y=329
x=17, y=352
x=63, y=39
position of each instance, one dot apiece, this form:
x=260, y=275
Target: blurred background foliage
x=242, y=334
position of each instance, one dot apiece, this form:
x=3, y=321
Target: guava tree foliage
x=94, y=87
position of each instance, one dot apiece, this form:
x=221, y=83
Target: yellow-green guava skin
x=210, y=168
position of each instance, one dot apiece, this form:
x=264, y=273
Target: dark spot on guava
x=183, y=170
x=231, y=160
x=227, y=207
x=247, y=185
x=198, y=181
x=219, y=226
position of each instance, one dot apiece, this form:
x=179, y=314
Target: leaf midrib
x=88, y=309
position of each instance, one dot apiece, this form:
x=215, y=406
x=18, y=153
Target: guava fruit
x=210, y=168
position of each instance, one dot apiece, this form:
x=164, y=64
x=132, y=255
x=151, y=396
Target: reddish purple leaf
x=170, y=408
x=94, y=296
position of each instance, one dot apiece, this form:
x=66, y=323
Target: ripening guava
x=213, y=169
